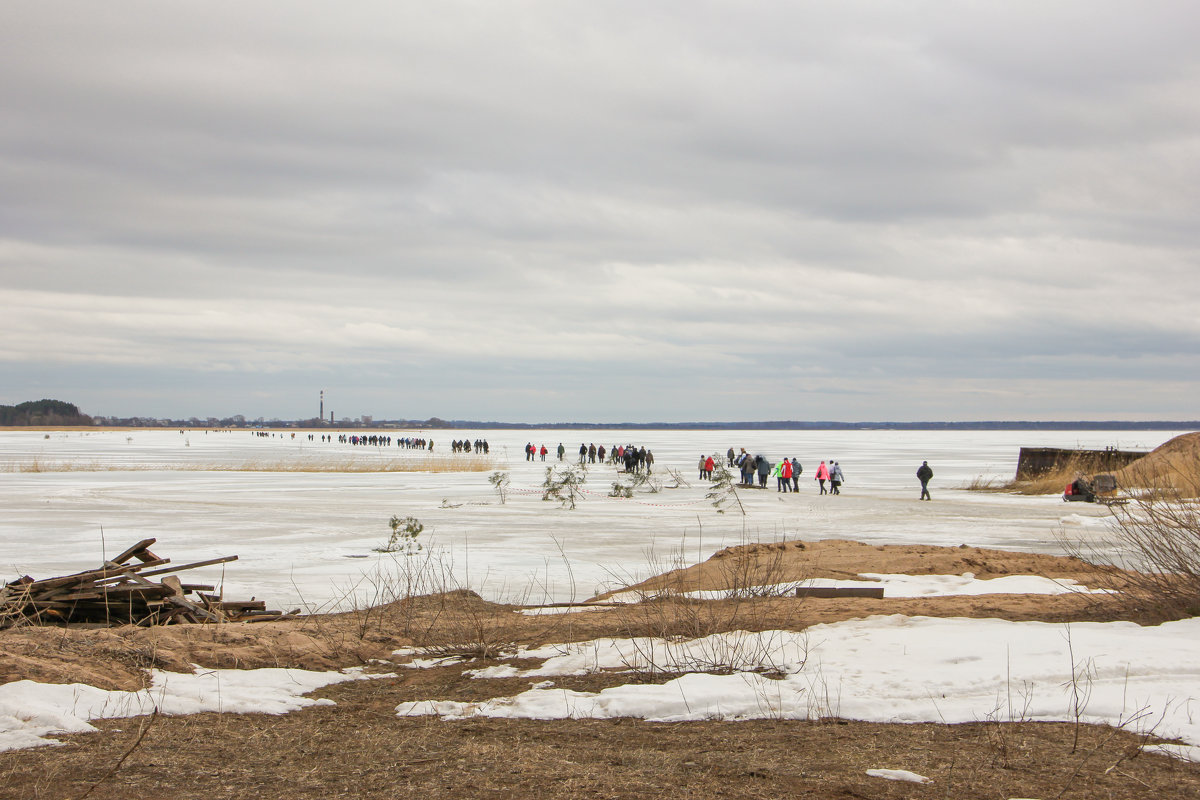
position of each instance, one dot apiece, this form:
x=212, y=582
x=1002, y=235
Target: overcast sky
x=602, y=211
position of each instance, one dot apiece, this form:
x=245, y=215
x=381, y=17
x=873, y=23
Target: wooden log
x=848, y=591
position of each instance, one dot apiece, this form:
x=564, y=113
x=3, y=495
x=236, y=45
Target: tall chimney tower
x=321, y=416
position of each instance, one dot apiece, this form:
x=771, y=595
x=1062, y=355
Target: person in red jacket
x=709, y=466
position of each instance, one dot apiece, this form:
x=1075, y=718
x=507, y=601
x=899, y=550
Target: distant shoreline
x=450, y=425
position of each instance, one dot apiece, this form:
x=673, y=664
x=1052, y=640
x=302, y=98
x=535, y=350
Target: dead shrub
x=1156, y=543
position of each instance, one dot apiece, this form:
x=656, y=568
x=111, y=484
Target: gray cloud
x=545, y=211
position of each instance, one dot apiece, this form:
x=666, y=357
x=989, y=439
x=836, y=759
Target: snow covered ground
x=32, y=712
x=306, y=539
x=880, y=669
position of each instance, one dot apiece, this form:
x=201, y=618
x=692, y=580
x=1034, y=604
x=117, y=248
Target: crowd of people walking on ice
x=786, y=471
x=754, y=470
x=631, y=457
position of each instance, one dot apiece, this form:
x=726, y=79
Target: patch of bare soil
x=360, y=749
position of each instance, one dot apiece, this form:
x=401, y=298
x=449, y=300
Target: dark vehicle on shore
x=1079, y=490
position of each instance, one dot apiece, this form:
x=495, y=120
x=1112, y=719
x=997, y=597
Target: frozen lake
x=306, y=538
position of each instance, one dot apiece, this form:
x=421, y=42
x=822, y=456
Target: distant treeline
x=43, y=412
x=54, y=412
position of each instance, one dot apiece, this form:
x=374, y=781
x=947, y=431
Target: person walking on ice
x=924, y=475
x=822, y=476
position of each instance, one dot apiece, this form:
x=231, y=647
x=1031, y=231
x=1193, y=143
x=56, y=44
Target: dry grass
x=360, y=749
x=1172, y=467
x=1050, y=482
x=1156, y=536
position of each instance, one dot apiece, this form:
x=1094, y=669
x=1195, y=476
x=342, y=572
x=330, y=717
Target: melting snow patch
x=31, y=711
x=543, y=610
x=898, y=775
x=1079, y=520
x=1184, y=752
x=880, y=669
x=901, y=585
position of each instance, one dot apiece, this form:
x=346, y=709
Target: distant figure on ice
x=822, y=476
x=561, y=451
x=730, y=456
x=796, y=470
x=764, y=469
x=924, y=475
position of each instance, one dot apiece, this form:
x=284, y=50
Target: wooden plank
x=131, y=552
x=272, y=617
x=117, y=594
x=245, y=605
x=193, y=565
x=194, y=611
x=103, y=574
x=124, y=568
x=855, y=591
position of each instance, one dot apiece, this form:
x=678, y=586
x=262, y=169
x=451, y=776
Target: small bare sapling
x=499, y=480
x=723, y=491
x=404, y=536
x=564, y=485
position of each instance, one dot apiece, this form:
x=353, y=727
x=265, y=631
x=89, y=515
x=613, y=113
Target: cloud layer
x=541, y=211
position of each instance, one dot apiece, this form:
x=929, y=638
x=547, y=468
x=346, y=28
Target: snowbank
x=31, y=711
x=881, y=669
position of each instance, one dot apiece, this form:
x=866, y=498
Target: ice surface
x=306, y=538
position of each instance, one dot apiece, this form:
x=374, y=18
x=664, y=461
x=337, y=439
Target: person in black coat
x=924, y=475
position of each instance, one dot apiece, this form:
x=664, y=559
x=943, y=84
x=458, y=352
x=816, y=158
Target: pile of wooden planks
x=120, y=592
